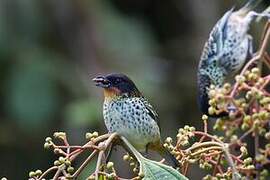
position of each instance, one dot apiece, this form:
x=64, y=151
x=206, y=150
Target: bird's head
x=117, y=85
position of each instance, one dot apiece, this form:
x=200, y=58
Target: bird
x=228, y=47
x=128, y=113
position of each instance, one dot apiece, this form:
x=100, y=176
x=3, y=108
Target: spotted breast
x=133, y=119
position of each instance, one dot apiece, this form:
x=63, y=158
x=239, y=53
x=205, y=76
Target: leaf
x=154, y=170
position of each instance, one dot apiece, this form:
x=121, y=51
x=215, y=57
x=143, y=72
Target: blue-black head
x=117, y=84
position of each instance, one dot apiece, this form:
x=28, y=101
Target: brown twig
x=260, y=54
x=58, y=172
x=217, y=164
x=48, y=171
x=100, y=155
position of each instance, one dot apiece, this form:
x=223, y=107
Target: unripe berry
x=169, y=140
x=240, y=79
x=48, y=139
x=57, y=163
x=70, y=169
x=205, y=117
x=141, y=175
x=110, y=165
x=211, y=110
x=47, y=145
x=32, y=174
x=267, y=135
x=126, y=157
x=38, y=172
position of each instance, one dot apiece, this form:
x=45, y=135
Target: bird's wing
x=215, y=42
x=150, y=111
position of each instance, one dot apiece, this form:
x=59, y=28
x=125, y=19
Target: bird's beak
x=101, y=81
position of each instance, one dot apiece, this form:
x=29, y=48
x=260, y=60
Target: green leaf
x=154, y=170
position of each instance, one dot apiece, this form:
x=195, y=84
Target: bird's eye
x=117, y=81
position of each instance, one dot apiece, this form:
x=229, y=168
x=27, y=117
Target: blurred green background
x=50, y=50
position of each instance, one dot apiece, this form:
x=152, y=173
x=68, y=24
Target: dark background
x=50, y=50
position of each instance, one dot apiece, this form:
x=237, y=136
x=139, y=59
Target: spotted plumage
x=128, y=113
x=130, y=117
x=228, y=47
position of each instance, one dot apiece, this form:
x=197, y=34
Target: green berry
x=38, y=172
x=249, y=95
x=211, y=110
x=169, y=140
x=262, y=131
x=243, y=150
x=251, y=166
x=61, y=159
x=47, y=145
x=110, y=165
x=60, y=135
x=192, y=129
x=56, y=151
x=141, y=174
x=255, y=70
x=135, y=170
x=244, y=126
x=95, y=134
x=67, y=162
x=264, y=172
x=267, y=135
x=88, y=135
x=207, y=177
x=132, y=164
x=32, y=174
x=56, y=163
x=212, y=93
x=70, y=169
x=205, y=117
x=234, y=139
x=92, y=177
x=248, y=161
x=185, y=143
x=126, y=157
x=208, y=166
x=247, y=118
x=240, y=79
x=259, y=158
x=48, y=139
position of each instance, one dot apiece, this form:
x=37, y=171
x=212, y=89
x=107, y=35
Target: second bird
x=129, y=114
x=228, y=47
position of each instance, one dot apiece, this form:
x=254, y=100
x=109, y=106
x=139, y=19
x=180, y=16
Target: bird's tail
x=204, y=83
x=168, y=156
x=251, y=4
